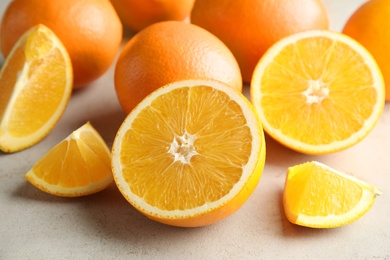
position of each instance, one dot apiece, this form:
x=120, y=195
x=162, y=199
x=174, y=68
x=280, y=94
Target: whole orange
x=90, y=30
x=170, y=51
x=370, y=25
x=250, y=27
x=137, y=14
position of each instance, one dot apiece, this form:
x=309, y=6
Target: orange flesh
x=200, y=149
x=296, y=87
x=35, y=87
x=79, y=166
x=316, y=192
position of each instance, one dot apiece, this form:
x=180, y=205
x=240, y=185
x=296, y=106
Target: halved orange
x=35, y=86
x=190, y=154
x=318, y=92
x=77, y=166
x=318, y=196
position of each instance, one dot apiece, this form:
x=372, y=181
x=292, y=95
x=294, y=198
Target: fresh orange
x=318, y=92
x=138, y=14
x=318, y=196
x=90, y=30
x=77, y=166
x=35, y=87
x=170, y=51
x=370, y=25
x=190, y=154
x=250, y=27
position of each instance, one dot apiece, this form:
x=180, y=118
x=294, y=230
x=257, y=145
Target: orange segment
x=189, y=154
x=318, y=196
x=36, y=84
x=318, y=92
x=77, y=166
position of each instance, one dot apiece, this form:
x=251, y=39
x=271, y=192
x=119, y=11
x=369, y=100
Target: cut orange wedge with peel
x=77, y=166
x=35, y=86
x=318, y=92
x=318, y=196
x=190, y=154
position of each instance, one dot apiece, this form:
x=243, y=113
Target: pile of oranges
x=91, y=31
x=179, y=79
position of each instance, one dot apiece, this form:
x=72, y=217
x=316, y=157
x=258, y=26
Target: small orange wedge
x=77, y=166
x=318, y=92
x=35, y=86
x=318, y=196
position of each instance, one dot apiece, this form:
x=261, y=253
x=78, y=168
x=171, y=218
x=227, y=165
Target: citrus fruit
x=318, y=196
x=171, y=51
x=139, y=14
x=35, y=86
x=370, y=25
x=250, y=27
x=77, y=166
x=318, y=92
x=90, y=30
x=190, y=154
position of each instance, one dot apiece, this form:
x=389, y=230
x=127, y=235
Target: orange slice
x=35, y=86
x=190, y=154
x=320, y=197
x=77, y=166
x=318, y=92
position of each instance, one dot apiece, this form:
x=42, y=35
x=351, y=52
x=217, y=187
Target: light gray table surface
x=35, y=225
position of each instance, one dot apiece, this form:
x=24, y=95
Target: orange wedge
x=318, y=92
x=318, y=196
x=35, y=86
x=190, y=154
x=77, y=166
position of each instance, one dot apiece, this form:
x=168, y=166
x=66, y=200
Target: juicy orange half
x=35, y=86
x=318, y=92
x=189, y=154
x=77, y=166
x=318, y=196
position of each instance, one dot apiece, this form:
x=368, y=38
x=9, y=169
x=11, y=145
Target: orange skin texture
x=370, y=25
x=90, y=30
x=250, y=27
x=170, y=51
x=138, y=14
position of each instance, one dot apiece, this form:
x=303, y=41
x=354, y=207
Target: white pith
x=182, y=148
x=316, y=91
